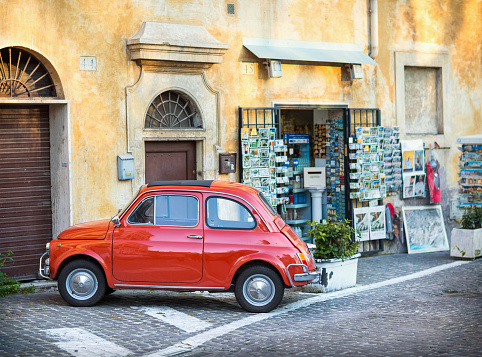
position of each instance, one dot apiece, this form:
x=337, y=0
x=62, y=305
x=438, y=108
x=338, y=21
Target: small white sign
x=88, y=63
x=247, y=68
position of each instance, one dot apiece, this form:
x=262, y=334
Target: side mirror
x=116, y=221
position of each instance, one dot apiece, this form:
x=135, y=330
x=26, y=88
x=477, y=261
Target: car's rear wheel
x=259, y=289
x=82, y=283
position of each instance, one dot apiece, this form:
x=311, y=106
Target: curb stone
x=40, y=285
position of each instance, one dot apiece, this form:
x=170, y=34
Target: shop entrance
x=170, y=160
x=303, y=136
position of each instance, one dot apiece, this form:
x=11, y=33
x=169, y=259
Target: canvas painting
x=362, y=223
x=425, y=229
x=377, y=223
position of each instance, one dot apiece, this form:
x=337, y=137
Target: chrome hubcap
x=82, y=284
x=259, y=290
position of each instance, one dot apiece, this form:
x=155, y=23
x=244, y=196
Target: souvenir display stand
x=259, y=160
x=470, y=173
x=375, y=163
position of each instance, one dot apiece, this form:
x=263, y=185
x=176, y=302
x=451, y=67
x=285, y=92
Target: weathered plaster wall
x=433, y=29
x=64, y=30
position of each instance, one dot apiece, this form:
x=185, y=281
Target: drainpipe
x=129, y=89
x=373, y=21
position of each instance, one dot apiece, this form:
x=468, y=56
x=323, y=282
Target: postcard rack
x=470, y=164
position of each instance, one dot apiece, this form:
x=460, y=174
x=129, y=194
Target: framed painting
x=424, y=229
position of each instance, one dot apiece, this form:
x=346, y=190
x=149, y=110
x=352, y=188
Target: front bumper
x=308, y=276
x=44, y=268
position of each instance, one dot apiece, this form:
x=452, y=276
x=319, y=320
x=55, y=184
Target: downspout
x=373, y=28
x=129, y=89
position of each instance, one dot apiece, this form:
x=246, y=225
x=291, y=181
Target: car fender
x=275, y=262
x=72, y=254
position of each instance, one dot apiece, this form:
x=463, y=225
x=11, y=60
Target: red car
x=183, y=236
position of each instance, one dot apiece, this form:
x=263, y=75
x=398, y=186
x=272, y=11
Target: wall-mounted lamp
x=356, y=71
x=273, y=67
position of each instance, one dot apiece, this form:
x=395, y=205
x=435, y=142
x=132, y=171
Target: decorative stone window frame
x=174, y=57
x=417, y=59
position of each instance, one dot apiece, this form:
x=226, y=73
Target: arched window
x=23, y=75
x=171, y=109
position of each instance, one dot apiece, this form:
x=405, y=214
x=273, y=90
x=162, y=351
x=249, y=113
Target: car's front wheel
x=259, y=289
x=82, y=283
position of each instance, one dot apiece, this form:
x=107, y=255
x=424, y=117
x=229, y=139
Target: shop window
x=172, y=109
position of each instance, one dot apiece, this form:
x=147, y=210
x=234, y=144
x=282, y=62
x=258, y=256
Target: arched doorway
x=27, y=145
x=171, y=160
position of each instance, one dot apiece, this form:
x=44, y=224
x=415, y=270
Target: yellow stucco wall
x=62, y=31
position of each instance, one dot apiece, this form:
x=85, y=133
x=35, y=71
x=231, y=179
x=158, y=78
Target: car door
x=234, y=231
x=161, y=240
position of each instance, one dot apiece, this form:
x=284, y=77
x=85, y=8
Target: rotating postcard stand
x=315, y=182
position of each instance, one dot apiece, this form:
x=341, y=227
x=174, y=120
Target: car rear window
x=228, y=214
x=267, y=204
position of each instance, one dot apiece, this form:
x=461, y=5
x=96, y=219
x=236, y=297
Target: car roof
x=203, y=183
x=213, y=185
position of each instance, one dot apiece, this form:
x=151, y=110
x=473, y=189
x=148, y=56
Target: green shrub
x=8, y=286
x=333, y=240
x=472, y=218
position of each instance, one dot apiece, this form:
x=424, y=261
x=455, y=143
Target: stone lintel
x=177, y=44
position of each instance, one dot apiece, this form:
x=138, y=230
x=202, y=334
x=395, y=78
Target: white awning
x=307, y=51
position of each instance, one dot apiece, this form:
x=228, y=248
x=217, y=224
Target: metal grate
x=171, y=110
x=257, y=118
x=230, y=8
x=363, y=117
x=22, y=75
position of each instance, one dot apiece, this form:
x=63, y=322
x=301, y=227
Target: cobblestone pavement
x=438, y=314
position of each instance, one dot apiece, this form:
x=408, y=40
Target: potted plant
x=335, y=253
x=466, y=242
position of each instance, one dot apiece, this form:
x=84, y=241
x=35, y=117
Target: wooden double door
x=170, y=160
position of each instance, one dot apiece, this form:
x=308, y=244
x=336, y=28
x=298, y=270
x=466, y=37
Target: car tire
x=82, y=283
x=259, y=289
x=109, y=290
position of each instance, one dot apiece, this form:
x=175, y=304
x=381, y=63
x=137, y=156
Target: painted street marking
x=195, y=341
x=81, y=343
x=179, y=319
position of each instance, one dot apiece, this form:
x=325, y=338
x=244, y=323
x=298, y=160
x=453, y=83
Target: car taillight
x=302, y=258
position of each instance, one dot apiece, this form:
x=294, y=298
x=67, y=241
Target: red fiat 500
x=184, y=236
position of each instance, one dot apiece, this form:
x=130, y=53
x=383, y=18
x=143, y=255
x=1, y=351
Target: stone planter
x=466, y=243
x=335, y=275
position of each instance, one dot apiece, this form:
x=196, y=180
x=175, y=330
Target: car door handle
x=195, y=237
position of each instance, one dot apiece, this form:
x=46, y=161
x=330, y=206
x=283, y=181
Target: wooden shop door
x=170, y=160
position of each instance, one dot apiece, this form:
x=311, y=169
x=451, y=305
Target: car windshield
x=121, y=212
x=267, y=204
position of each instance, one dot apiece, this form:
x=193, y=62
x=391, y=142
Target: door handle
x=195, y=237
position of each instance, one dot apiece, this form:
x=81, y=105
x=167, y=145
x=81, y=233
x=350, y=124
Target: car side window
x=177, y=210
x=226, y=213
x=144, y=213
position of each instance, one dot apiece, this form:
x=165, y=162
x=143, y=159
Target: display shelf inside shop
x=298, y=210
x=335, y=174
x=470, y=164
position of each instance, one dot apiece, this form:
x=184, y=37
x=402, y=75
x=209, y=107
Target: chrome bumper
x=305, y=276
x=44, y=269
